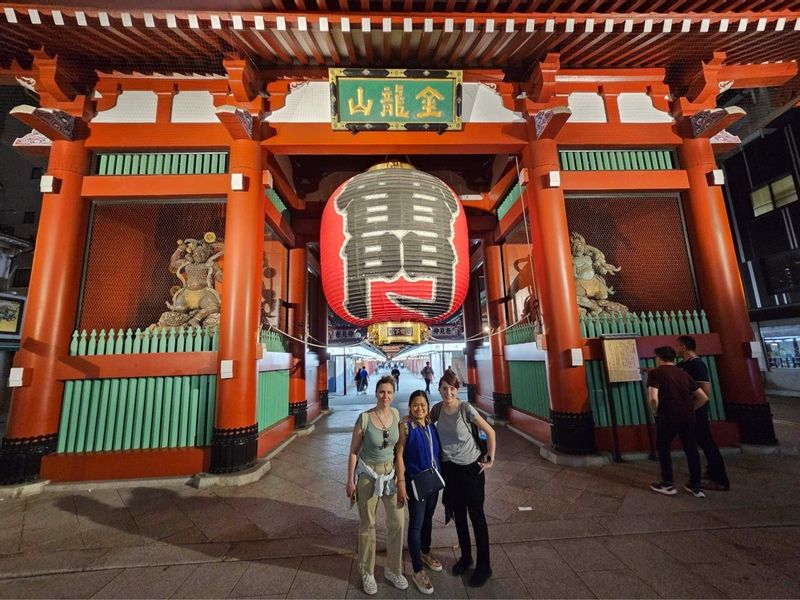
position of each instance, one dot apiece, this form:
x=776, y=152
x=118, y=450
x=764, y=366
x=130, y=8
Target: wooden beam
x=624, y=181
x=155, y=186
x=475, y=138
x=150, y=136
x=158, y=364
x=279, y=224
x=621, y=135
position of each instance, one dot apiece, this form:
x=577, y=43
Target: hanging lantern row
x=394, y=247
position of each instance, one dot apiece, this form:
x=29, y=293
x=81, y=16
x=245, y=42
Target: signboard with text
x=392, y=99
x=622, y=359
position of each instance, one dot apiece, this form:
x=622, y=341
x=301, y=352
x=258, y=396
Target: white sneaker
x=369, y=584
x=398, y=581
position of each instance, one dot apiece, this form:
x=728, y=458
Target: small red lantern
x=394, y=247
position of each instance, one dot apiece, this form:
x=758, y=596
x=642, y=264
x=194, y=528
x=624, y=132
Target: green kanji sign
x=387, y=99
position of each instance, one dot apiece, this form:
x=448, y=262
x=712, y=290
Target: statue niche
x=590, y=269
x=195, y=303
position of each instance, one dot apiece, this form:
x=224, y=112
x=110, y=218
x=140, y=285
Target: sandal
x=431, y=563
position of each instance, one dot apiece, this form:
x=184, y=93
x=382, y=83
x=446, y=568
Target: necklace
x=383, y=424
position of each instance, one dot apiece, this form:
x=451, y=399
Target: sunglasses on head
x=385, y=439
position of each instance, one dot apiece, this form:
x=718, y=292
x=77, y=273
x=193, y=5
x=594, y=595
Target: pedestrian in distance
x=464, y=467
x=396, y=375
x=374, y=466
x=427, y=375
x=364, y=377
x=716, y=476
x=674, y=396
x=421, y=456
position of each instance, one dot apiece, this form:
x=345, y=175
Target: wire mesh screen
x=127, y=278
x=644, y=236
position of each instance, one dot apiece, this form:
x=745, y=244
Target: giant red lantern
x=394, y=247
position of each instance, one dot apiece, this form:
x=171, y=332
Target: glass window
x=762, y=201
x=775, y=195
x=783, y=191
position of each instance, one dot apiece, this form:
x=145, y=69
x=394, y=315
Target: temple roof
x=512, y=35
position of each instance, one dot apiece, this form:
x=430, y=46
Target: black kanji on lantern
x=398, y=223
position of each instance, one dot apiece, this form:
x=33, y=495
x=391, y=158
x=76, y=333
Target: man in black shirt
x=674, y=396
x=716, y=475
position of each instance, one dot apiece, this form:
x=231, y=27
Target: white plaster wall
x=131, y=107
x=587, y=107
x=638, y=108
x=193, y=107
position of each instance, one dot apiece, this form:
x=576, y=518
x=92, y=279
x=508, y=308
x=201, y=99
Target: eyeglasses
x=385, y=439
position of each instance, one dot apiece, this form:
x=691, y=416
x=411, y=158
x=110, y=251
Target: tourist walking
x=427, y=375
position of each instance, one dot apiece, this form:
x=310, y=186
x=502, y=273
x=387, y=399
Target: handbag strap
x=430, y=444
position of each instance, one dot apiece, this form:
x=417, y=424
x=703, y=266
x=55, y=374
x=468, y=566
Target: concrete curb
x=203, y=481
x=8, y=492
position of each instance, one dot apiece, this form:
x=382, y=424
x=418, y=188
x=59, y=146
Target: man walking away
x=716, y=476
x=427, y=375
x=674, y=397
x=364, y=377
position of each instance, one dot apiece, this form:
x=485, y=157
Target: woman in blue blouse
x=419, y=443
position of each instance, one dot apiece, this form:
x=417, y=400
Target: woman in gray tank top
x=463, y=470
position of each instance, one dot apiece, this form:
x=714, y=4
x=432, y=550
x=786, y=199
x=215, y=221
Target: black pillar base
x=299, y=410
x=233, y=450
x=573, y=433
x=323, y=399
x=472, y=393
x=754, y=422
x=21, y=458
x=502, y=402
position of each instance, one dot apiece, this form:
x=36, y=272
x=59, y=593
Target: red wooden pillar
x=572, y=424
x=723, y=297
x=50, y=317
x=234, y=444
x=298, y=268
x=472, y=326
x=322, y=353
x=495, y=292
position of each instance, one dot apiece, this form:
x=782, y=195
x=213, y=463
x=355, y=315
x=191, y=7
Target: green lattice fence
x=529, y=386
x=629, y=397
x=138, y=412
x=273, y=386
x=520, y=334
x=616, y=160
x=161, y=163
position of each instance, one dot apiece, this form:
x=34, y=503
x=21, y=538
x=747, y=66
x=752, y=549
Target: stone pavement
x=593, y=532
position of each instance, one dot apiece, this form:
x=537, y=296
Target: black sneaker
x=716, y=486
x=479, y=577
x=461, y=565
x=662, y=487
x=695, y=490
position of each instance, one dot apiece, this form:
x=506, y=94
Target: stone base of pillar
x=573, y=433
x=323, y=399
x=299, y=410
x=233, y=450
x=472, y=393
x=21, y=458
x=754, y=422
x=502, y=402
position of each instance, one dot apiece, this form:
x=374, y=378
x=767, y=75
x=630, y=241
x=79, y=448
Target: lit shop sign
x=390, y=99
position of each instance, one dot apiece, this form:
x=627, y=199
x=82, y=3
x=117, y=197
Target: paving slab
x=592, y=531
